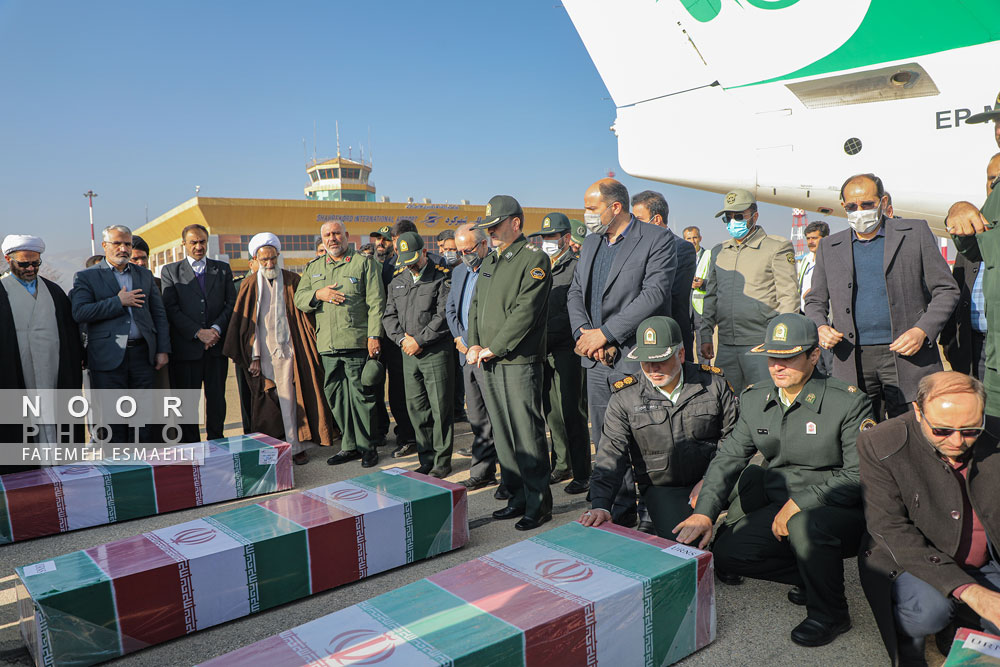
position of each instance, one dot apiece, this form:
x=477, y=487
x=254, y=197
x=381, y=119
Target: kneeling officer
x=667, y=420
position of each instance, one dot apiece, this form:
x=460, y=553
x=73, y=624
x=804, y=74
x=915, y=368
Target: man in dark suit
x=472, y=246
x=625, y=275
x=651, y=207
x=199, y=298
x=888, y=293
x=963, y=339
x=126, y=320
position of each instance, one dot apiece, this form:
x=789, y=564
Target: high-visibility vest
x=698, y=295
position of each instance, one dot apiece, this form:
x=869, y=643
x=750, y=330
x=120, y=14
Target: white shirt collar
x=197, y=265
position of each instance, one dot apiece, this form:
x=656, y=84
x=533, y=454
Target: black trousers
x=667, y=506
x=459, y=388
x=812, y=556
x=599, y=381
x=392, y=357
x=978, y=355
x=134, y=372
x=878, y=378
x=209, y=372
x=484, y=452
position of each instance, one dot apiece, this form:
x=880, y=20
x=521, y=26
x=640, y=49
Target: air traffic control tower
x=340, y=179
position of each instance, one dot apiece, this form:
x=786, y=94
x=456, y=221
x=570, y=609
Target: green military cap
x=737, y=201
x=499, y=209
x=408, y=245
x=372, y=374
x=385, y=232
x=977, y=118
x=657, y=339
x=554, y=223
x=788, y=335
x=578, y=231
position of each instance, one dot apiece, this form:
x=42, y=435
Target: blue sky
x=143, y=101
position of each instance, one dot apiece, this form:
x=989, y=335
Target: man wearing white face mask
x=562, y=385
x=888, y=292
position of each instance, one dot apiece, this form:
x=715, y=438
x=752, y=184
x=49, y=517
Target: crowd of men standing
x=827, y=367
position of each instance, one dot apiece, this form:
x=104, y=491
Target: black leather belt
x=135, y=342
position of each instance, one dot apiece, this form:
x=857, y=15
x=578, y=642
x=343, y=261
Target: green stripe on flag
x=77, y=607
x=278, y=559
x=445, y=624
x=429, y=511
x=6, y=531
x=255, y=478
x=133, y=494
x=667, y=592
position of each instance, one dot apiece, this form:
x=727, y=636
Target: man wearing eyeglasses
x=887, y=292
x=930, y=487
x=751, y=278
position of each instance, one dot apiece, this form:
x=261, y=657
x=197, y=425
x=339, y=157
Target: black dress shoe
x=560, y=476
x=797, y=596
x=728, y=578
x=502, y=493
x=628, y=520
x=343, y=457
x=509, y=513
x=647, y=527
x=527, y=523
x=465, y=451
x=440, y=473
x=811, y=632
x=577, y=486
x=370, y=458
x=474, y=483
x=404, y=449
x=424, y=469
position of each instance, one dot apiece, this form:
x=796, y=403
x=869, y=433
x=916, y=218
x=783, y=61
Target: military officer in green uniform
x=415, y=321
x=506, y=334
x=795, y=520
x=563, y=385
x=344, y=290
x=577, y=232
x=668, y=421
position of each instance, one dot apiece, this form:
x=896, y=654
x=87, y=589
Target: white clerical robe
x=273, y=347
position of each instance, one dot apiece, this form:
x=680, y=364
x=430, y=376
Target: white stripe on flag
x=617, y=599
x=218, y=476
x=352, y=637
x=384, y=522
x=83, y=490
x=217, y=570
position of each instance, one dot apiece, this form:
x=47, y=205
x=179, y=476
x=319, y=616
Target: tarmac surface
x=754, y=619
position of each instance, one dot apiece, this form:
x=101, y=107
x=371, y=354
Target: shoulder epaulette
x=398, y=271
x=712, y=369
x=443, y=269
x=626, y=381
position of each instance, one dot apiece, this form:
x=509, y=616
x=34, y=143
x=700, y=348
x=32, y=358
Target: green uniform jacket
x=748, y=284
x=668, y=445
x=810, y=448
x=985, y=248
x=345, y=326
x=417, y=308
x=560, y=336
x=509, y=308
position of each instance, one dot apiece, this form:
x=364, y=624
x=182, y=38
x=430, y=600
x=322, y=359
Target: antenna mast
x=337, y=125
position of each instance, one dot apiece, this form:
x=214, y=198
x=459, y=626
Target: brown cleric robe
x=315, y=423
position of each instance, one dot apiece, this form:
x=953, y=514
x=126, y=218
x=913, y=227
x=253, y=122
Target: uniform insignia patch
x=347, y=259
x=762, y=431
x=810, y=398
x=649, y=336
x=619, y=384
x=810, y=428
x=487, y=275
x=624, y=382
x=317, y=275
x=546, y=223
x=730, y=198
x=791, y=258
x=711, y=369
x=508, y=255
x=852, y=389
x=354, y=281
x=537, y=274
x=868, y=424
x=780, y=333
x=489, y=210
x=403, y=246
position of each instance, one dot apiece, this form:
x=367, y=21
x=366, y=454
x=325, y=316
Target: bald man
x=625, y=275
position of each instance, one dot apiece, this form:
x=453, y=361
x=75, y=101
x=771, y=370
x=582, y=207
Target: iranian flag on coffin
x=99, y=603
x=57, y=499
x=971, y=647
x=570, y=596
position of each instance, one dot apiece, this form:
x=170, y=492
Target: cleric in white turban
x=275, y=344
x=39, y=339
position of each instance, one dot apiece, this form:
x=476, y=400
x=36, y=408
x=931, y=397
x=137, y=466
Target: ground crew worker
x=415, y=320
x=751, y=278
x=507, y=329
x=564, y=411
x=806, y=425
x=698, y=286
x=345, y=292
x=667, y=420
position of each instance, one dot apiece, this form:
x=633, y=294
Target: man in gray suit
x=889, y=293
x=126, y=322
x=625, y=275
x=199, y=297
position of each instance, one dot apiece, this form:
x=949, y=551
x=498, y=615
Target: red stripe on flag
x=31, y=504
x=555, y=629
x=175, y=489
x=332, y=536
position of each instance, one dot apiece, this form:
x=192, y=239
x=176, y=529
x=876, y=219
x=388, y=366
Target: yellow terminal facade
x=339, y=189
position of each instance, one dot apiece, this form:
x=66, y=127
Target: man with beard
x=276, y=343
x=39, y=341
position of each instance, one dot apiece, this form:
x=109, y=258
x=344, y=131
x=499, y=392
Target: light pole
x=90, y=194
